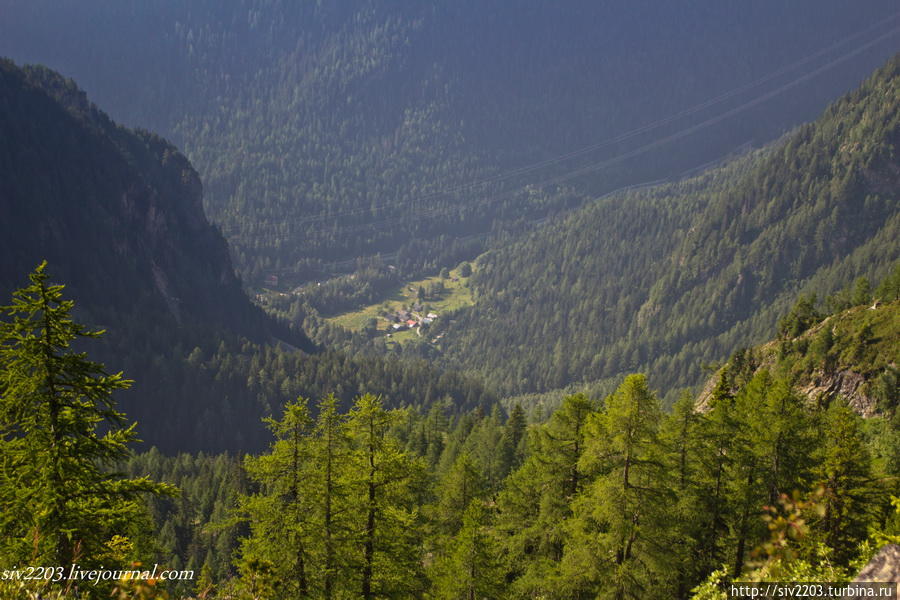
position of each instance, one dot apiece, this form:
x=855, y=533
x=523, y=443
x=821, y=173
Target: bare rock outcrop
x=884, y=567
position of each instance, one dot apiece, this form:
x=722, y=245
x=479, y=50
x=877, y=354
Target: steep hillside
x=853, y=354
x=665, y=279
x=118, y=215
x=329, y=131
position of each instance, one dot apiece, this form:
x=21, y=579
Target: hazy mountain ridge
x=118, y=215
x=75, y=180
x=327, y=132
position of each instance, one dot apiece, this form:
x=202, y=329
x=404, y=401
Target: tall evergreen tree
x=536, y=499
x=718, y=429
x=844, y=471
x=471, y=568
x=512, y=443
x=616, y=520
x=61, y=504
x=281, y=515
x=770, y=452
x=385, y=520
x=681, y=446
x=462, y=484
x=331, y=451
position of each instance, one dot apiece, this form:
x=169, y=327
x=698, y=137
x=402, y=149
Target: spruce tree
x=61, y=504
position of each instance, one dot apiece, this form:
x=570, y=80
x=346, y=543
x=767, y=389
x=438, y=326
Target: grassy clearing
x=456, y=294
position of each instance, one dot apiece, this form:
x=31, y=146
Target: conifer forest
x=449, y=300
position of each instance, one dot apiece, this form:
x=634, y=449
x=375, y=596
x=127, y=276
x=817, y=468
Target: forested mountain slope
x=117, y=213
x=668, y=278
x=853, y=354
x=328, y=131
x=520, y=511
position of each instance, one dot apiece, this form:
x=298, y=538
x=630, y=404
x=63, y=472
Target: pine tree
x=60, y=502
x=382, y=509
x=280, y=515
x=470, y=569
x=616, y=521
x=844, y=472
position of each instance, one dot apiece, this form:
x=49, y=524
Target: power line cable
x=647, y=127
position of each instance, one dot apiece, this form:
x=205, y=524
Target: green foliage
x=862, y=291
x=60, y=434
x=535, y=501
x=889, y=289
x=844, y=471
x=711, y=263
x=855, y=345
x=197, y=527
x=282, y=511
x=325, y=133
x=335, y=514
x=618, y=515
x=471, y=566
x=463, y=485
x=386, y=481
x=621, y=501
x=802, y=316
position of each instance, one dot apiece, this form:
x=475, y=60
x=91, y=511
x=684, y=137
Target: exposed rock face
x=105, y=204
x=843, y=384
x=851, y=355
x=884, y=567
x=821, y=389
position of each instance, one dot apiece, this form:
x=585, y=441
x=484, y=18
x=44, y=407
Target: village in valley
x=411, y=310
x=404, y=314
x=411, y=319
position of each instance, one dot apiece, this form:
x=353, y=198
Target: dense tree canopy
x=675, y=276
x=327, y=132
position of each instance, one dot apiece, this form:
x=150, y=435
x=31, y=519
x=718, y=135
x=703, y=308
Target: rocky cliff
x=854, y=355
